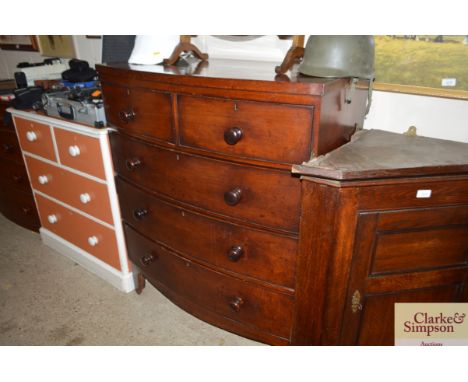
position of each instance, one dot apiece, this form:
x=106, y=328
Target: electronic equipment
x=82, y=105
x=27, y=75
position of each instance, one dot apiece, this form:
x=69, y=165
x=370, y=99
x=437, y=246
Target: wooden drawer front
x=272, y=132
x=19, y=207
x=9, y=146
x=227, y=296
x=423, y=240
x=80, y=152
x=139, y=111
x=268, y=197
x=13, y=174
x=405, y=195
x=75, y=190
x=250, y=252
x=79, y=230
x=35, y=138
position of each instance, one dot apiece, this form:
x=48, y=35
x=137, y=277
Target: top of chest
x=227, y=75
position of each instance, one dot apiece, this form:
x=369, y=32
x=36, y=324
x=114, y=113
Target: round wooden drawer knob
x=127, y=115
x=132, y=164
x=18, y=178
x=31, y=136
x=93, y=241
x=8, y=148
x=147, y=259
x=233, y=135
x=43, y=179
x=85, y=198
x=52, y=219
x=233, y=196
x=139, y=213
x=236, y=304
x=235, y=253
x=74, y=151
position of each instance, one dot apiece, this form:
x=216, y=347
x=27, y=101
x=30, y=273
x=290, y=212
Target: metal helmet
x=339, y=56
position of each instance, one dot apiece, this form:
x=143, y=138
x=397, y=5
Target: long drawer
x=250, y=252
x=9, y=146
x=92, y=237
x=257, y=130
x=266, y=197
x=19, y=207
x=229, y=297
x=85, y=194
x=13, y=174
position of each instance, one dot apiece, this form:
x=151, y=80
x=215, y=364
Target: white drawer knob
x=74, y=151
x=31, y=136
x=93, y=241
x=85, y=198
x=43, y=179
x=52, y=219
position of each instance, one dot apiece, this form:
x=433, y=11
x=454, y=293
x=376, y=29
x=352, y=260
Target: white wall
x=432, y=116
x=86, y=49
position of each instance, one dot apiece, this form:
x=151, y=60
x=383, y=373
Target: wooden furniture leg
x=294, y=54
x=185, y=46
x=139, y=281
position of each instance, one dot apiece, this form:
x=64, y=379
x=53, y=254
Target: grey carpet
x=47, y=299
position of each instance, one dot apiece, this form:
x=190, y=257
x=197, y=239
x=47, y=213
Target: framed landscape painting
x=422, y=64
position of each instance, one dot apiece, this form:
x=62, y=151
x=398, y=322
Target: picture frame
x=57, y=46
x=19, y=43
x=427, y=65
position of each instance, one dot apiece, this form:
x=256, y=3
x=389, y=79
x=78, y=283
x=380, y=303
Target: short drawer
x=418, y=193
x=254, y=253
x=90, y=236
x=229, y=297
x=139, y=111
x=258, y=130
x=13, y=174
x=19, y=207
x=85, y=194
x=266, y=197
x=421, y=239
x=80, y=152
x=9, y=146
x=35, y=138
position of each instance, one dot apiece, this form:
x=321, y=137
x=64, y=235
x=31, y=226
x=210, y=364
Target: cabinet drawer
x=90, y=236
x=35, y=138
x=227, y=296
x=9, y=146
x=255, y=253
x=75, y=190
x=272, y=132
x=266, y=197
x=424, y=239
x=417, y=194
x=80, y=152
x=13, y=174
x=139, y=111
x=19, y=207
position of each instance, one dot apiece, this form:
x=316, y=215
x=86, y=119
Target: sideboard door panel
x=380, y=277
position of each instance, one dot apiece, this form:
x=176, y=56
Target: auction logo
x=431, y=324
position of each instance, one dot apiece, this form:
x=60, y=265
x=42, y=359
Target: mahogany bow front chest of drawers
x=211, y=210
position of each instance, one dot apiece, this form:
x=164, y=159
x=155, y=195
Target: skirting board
x=120, y=281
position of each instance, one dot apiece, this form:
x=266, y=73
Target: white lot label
x=424, y=193
x=449, y=82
